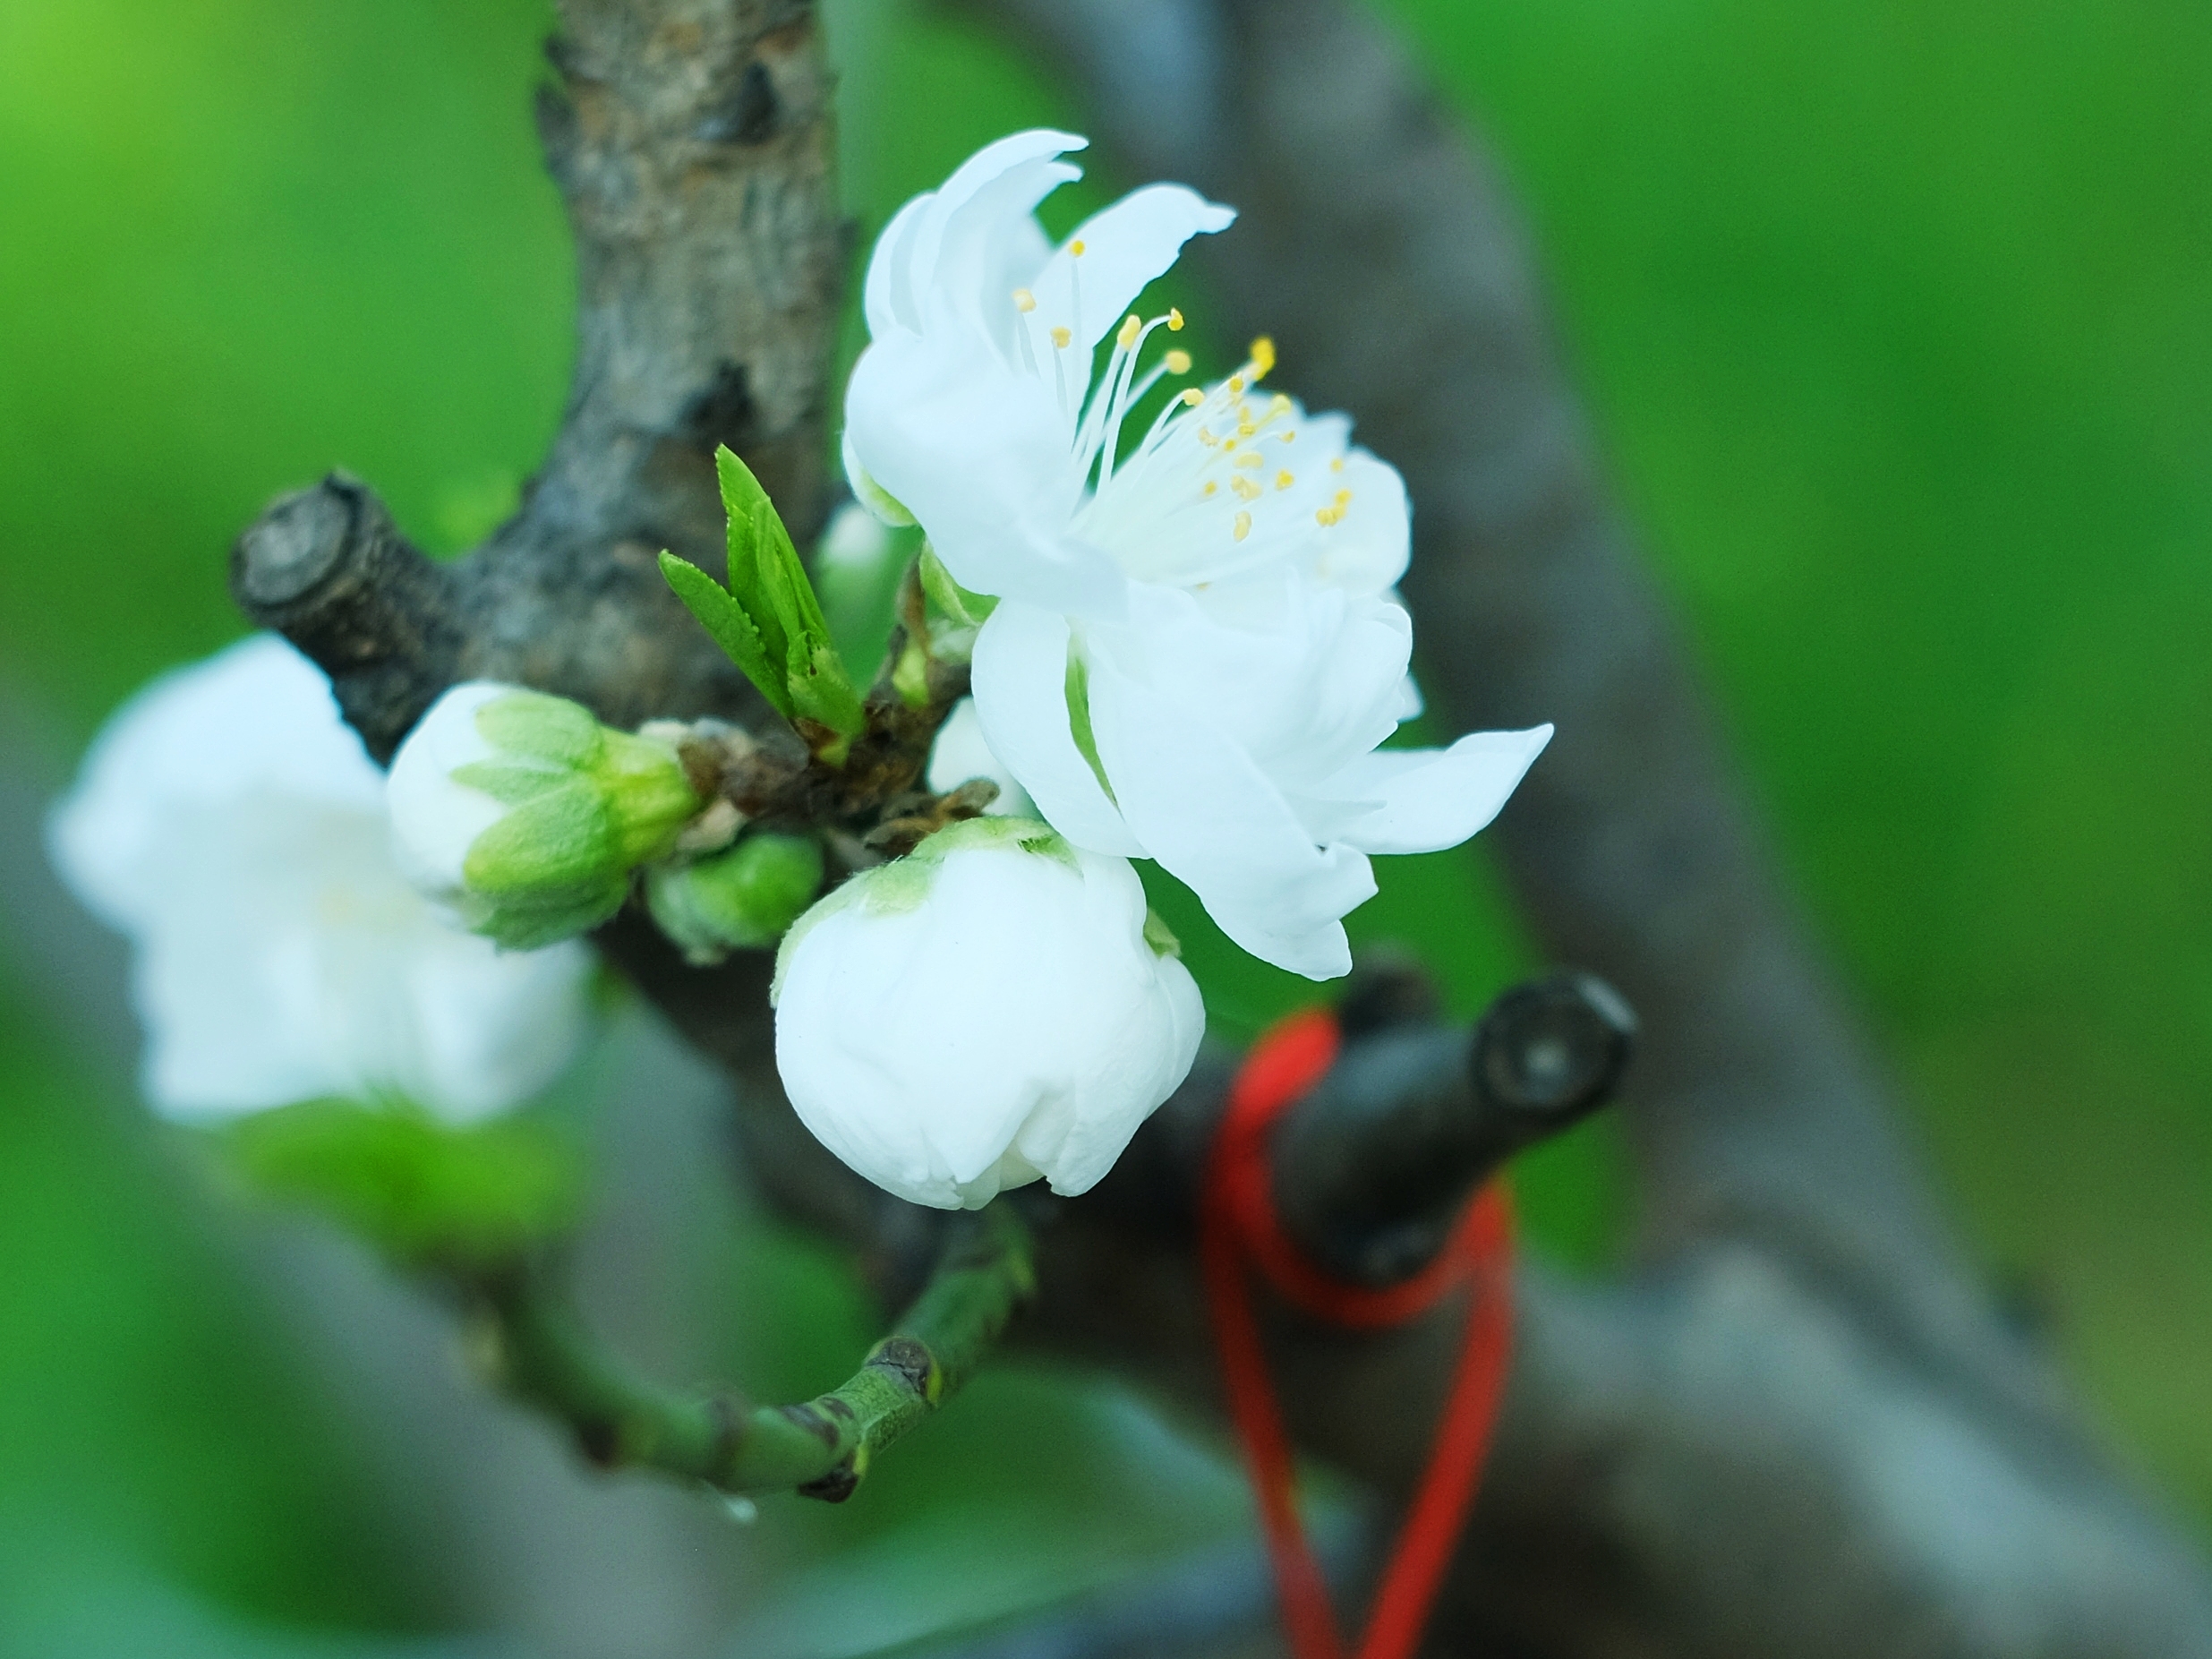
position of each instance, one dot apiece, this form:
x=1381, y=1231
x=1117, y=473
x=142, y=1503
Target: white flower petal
x=916, y=408
x=1425, y=799
x=435, y=819
x=1125, y=247
x=1020, y=674
x=962, y=752
x=1199, y=804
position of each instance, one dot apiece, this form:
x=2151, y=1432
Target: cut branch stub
x=1372, y=1169
x=326, y=568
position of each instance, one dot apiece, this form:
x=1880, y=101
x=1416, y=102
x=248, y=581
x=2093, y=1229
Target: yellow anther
x=1175, y=324
x=1344, y=498
x=1236, y=386
x=1060, y=337
x=1246, y=490
x=1328, y=516
x=1075, y=248
x=1204, y=437
x=1251, y=457
x=1336, y=464
x=1193, y=396
x=1246, y=428
x=1228, y=446
x=1024, y=301
x=1179, y=362
x=1131, y=329
x=1263, y=356
x=1279, y=404
x=1243, y=527
x=1288, y=436
x=1283, y=480
x=1210, y=487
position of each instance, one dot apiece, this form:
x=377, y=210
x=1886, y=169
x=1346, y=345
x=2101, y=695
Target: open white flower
x=230, y=823
x=1196, y=650
x=993, y=1008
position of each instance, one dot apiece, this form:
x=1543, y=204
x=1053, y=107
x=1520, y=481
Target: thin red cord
x=1240, y=1229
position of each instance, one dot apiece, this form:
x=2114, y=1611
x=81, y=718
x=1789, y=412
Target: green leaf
x=420, y=1189
x=822, y=690
x=732, y=629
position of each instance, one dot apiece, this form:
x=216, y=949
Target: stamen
x=1328, y=516
x=1242, y=528
x=1076, y=248
x=1024, y=301
x=1059, y=339
x=1283, y=480
x=1204, y=437
x=1263, y=356
x=1280, y=405
x=1175, y=324
x=1236, y=388
x=1127, y=337
x=1192, y=397
x=1179, y=362
x=1335, y=463
x=1210, y=487
x=1344, y=498
x=1292, y=433
x=1252, y=459
x=1246, y=490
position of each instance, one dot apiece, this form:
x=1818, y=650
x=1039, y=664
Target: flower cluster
x=1195, y=652
x=1177, y=599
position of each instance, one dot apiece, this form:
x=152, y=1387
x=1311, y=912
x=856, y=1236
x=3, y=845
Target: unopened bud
x=740, y=899
x=525, y=817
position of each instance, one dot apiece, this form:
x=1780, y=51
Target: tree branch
x=821, y=1449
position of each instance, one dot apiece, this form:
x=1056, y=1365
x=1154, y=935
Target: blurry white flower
x=994, y=1007
x=523, y=816
x=1196, y=651
x=228, y=821
x=961, y=752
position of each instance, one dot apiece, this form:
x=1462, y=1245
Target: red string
x=1240, y=1227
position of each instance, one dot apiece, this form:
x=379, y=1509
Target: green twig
x=822, y=1449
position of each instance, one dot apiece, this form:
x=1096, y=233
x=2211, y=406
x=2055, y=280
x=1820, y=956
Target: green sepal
x=962, y=607
x=507, y=783
x=420, y=1189
x=728, y=625
x=541, y=727
x=562, y=838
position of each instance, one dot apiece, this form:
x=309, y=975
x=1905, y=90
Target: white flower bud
x=962, y=752
x=524, y=816
x=993, y=1008
x=230, y=823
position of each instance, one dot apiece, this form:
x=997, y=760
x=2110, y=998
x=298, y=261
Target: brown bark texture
x=1794, y=1424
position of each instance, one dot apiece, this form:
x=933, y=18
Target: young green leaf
x=732, y=629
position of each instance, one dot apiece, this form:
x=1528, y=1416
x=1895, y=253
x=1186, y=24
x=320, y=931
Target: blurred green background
x=1894, y=317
